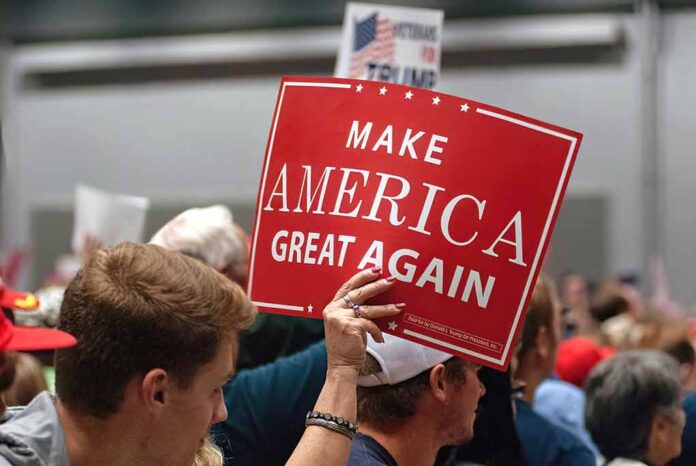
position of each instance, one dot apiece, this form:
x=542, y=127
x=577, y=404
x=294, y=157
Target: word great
x=330, y=249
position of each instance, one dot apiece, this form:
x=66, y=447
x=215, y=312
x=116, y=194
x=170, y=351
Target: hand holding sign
x=454, y=198
x=345, y=331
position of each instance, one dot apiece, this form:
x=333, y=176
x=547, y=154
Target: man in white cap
x=412, y=401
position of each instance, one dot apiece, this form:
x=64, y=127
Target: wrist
x=343, y=374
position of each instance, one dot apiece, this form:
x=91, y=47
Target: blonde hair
x=209, y=454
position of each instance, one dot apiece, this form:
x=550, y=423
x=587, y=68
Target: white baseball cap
x=400, y=360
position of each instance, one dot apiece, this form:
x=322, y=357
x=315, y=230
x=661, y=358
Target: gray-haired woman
x=633, y=409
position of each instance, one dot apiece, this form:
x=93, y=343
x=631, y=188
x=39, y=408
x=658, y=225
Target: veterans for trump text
x=376, y=196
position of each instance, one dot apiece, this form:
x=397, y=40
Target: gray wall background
x=196, y=142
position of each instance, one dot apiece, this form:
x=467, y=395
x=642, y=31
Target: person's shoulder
x=39, y=407
x=690, y=403
x=537, y=433
x=11, y=413
x=312, y=358
x=526, y=416
x=558, y=389
x=559, y=400
x=575, y=452
x=365, y=451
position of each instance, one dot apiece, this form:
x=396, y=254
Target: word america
x=311, y=199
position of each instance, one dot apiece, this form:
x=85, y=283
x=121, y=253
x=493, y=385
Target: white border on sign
x=535, y=263
x=287, y=307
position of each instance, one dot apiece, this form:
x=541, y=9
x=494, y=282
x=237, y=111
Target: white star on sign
x=408, y=95
x=310, y=308
x=383, y=90
x=392, y=325
x=358, y=88
x=436, y=100
x=465, y=108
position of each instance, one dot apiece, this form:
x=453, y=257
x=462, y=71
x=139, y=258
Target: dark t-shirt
x=545, y=444
x=365, y=451
x=272, y=336
x=267, y=406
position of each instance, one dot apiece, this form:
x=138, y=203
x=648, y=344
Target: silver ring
x=348, y=301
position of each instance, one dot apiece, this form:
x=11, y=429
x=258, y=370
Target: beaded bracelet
x=329, y=421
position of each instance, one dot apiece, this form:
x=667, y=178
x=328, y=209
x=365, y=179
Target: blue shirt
x=267, y=406
x=545, y=444
x=564, y=404
x=688, y=454
x=366, y=451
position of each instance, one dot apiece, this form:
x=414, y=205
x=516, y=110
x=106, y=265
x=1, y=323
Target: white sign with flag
x=391, y=44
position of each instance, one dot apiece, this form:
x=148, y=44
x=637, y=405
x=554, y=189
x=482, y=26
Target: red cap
x=576, y=358
x=15, y=300
x=32, y=338
x=27, y=338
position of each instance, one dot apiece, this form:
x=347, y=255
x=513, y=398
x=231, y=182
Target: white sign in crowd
x=391, y=44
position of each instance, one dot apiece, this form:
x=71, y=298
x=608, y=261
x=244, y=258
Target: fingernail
x=401, y=305
x=375, y=269
x=390, y=278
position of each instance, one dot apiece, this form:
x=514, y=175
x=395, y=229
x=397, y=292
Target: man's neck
x=92, y=441
x=412, y=444
x=532, y=378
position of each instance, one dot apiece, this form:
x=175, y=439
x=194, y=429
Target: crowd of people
x=162, y=359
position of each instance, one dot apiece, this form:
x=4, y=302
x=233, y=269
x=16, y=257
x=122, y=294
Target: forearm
x=323, y=446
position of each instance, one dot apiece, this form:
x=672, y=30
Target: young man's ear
x=155, y=389
x=543, y=343
x=438, y=382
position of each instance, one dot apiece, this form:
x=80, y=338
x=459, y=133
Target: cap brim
x=37, y=339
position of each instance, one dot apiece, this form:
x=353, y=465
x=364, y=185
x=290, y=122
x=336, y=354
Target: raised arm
x=346, y=323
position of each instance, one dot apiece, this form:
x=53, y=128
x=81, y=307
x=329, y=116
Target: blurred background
x=172, y=100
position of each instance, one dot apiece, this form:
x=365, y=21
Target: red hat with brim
x=14, y=338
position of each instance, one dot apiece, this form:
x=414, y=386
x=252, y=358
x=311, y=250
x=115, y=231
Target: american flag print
x=373, y=42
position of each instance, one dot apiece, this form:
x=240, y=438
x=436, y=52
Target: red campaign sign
x=455, y=198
